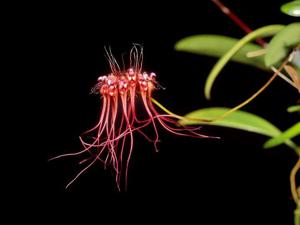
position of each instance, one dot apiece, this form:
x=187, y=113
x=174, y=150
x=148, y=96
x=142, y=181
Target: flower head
x=111, y=140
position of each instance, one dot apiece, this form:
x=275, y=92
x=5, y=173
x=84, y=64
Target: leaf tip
x=267, y=145
x=291, y=8
x=179, y=45
x=207, y=90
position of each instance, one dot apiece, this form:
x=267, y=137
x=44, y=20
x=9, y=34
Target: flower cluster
x=127, y=108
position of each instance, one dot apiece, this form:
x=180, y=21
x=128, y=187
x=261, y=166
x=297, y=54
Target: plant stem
x=237, y=20
x=166, y=110
x=178, y=116
x=265, y=31
x=255, y=94
x=293, y=182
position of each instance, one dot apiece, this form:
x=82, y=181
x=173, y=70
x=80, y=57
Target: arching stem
x=237, y=20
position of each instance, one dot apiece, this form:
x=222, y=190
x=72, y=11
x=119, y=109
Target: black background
x=232, y=180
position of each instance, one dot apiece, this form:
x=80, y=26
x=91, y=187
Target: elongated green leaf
x=283, y=137
x=217, y=46
x=294, y=108
x=291, y=8
x=259, y=33
x=281, y=43
x=238, y=119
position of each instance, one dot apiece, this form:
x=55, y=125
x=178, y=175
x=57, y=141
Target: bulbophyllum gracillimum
x=111, y=141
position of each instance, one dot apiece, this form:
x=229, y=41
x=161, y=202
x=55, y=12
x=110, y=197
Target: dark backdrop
x=231, y=180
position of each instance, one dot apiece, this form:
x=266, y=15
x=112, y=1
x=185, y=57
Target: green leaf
x=291, y=8
x=283, y=137
x=259, y=33
x=294, y=108
x=217, y=46
x=239, y=119
x=281, y=44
